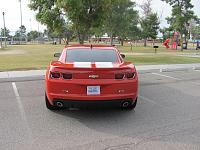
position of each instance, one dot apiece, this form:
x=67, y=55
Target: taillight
x=55, y=75
x=130, y=75
x=119, y=76
x=67, y=76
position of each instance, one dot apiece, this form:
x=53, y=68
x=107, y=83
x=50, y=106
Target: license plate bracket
x=93, y=90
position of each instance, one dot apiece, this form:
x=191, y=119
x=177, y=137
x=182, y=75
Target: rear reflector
x=67, y=76
x=55, y=75
x=119, y=76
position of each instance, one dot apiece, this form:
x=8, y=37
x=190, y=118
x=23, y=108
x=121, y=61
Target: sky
x=164, y=10
x=12, y=13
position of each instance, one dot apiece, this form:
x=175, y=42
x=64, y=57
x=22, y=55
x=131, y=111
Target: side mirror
x=57, y=54
x=123, y=56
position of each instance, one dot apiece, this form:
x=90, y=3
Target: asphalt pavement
x=167, y=117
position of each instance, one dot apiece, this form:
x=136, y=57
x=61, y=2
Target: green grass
x=161, y=59
x=150, y=49
x=35, y=57
x=39, y=56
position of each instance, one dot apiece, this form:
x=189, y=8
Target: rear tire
x=132, y=106
x=48, y=105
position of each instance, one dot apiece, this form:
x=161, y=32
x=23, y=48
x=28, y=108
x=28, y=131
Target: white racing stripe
x=104, y=64
x=82, y=65
x=97, y=65
x=162, y=75
x=22, y=112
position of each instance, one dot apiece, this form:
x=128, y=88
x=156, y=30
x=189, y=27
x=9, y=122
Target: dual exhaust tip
x=125, y=104
x=59, y=104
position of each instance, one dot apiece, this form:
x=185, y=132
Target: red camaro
x=91, y=76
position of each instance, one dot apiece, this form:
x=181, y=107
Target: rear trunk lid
x=97, y=70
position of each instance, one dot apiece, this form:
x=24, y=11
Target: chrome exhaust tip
x=59, y=104
x=125, y=104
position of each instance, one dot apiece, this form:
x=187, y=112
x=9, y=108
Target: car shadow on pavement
x=107, y=120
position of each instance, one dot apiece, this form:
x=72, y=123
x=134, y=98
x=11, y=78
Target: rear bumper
x=75, y=90
x=92, y=103
x=90, y=99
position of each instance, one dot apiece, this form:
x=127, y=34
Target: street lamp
x=21, y=21
x=5, y=38
x=1, y=42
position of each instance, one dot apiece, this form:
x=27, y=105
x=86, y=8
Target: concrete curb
x=197, y=68
x=21, y=74
x=167, y=68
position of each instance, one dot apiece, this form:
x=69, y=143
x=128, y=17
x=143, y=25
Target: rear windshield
x=91, y=55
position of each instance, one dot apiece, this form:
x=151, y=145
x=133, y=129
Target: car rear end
x=80, y=84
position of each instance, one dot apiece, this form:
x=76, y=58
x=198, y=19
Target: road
x=167, y=117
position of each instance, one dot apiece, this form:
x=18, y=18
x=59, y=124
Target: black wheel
x=48, y=105
x=132, y=106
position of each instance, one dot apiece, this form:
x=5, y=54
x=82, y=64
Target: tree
x=32, y=35
x=21, y=33
x=50, y=15
x=196, y=32
x=7, y=32
x=150, y=26
x=133, y=31
x=127, y=20
x=146, y=7
x=98, y=32
x=121, y=19
x=83, y=14
x=66, y=32
x=182, y=13
x=166, y=33
x=149, y=22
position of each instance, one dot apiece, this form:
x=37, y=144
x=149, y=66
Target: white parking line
x=21, y=109
x=162, y=75
x=197, y=70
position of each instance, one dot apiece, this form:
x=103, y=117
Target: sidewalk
x=143, y=68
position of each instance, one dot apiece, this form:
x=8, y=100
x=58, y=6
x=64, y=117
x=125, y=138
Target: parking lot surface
x=167, y=117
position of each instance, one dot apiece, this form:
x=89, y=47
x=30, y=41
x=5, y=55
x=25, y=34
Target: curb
x=196, y=68
x=21, y=74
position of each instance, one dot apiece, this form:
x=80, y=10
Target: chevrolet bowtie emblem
x=93, y=76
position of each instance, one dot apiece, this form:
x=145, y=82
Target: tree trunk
x=81, y=38
x=111, y=39
x=186, y=42
x=145, y=42
x=131, y=45
x=60, y=40
x=122, y=42
x=153, y=42
x=181, y=42
x=66, y=42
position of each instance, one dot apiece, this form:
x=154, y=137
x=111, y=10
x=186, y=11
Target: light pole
x=5, y=38
x=1, y=42
x=21, y=21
